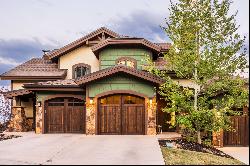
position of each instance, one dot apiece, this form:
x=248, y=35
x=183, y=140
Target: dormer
x=125, y=51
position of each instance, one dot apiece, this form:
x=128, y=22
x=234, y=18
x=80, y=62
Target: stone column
x=151, y=110
x=90, y=116
x=18, y=122
x=218, y=138
x=39, y=119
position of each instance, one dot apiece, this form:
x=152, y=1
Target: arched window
x=126, y=61
x=81, y=69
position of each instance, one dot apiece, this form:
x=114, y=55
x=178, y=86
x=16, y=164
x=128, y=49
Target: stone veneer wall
x=18, y=122
x=151, y=110
x=218, y=138
x=39, y=120
x=90, y=117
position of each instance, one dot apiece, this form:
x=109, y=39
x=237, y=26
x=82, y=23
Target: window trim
x=127, y=59
x=79, y=65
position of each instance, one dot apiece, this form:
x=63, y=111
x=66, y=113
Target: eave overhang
x=119, y=69
x=125, y=42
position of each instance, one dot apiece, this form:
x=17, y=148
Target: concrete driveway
x=240, y=153
x=80, y=149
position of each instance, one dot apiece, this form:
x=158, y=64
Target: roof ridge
x=80, y=41
x=135, y=40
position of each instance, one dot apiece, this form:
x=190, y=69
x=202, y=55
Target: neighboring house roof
x=164, y=46
x=160, y=63
x=126, y=41
x=15, y=93
x=35, y=68
x=119, y=69
x=80, y=42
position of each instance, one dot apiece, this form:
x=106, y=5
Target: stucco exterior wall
x=28, y=108
x=17, y=85
x=81, y=55
x=186, y=83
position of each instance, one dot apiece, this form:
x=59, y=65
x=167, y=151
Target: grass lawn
x=186, y=157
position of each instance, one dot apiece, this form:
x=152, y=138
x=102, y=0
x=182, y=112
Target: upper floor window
x=126, y=61
x=80, y=70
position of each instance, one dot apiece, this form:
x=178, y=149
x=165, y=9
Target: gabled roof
x=126, y=41
x=35, y=68
x=81, y=42
x=119, y=69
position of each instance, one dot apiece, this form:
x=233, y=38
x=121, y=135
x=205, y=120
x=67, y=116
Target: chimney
x=45, y=56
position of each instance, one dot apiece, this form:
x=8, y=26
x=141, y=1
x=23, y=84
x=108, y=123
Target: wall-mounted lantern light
x=39, y=103
x=150, y=101
x=91, y=101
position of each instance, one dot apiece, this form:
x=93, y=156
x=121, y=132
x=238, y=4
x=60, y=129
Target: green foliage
x=205, y=49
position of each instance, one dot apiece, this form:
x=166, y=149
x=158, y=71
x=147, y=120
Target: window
x=126, y=61
x=80, y=70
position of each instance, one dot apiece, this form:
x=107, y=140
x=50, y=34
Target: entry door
x=121, y=114
x=65, y=115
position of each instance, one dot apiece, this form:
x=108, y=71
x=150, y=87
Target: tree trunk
x=195, y=88
x=199, y=137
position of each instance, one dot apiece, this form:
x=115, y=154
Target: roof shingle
x=36, y=67
x=80, y=42
x=116, y=69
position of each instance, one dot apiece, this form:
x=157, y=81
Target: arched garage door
x=65, y=115
x=121, y=114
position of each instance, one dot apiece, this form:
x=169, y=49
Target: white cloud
x=8, y=61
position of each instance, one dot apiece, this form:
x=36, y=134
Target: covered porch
x=23, y=112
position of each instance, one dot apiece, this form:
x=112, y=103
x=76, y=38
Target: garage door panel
x=65, y=115
x=75, y=119
x=109, y=119
x=132, y=119
x=121, y=114
x=55, y=119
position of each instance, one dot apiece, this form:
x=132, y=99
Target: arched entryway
x=121, y=114
x=65, y=115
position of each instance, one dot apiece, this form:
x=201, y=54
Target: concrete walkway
x=81, y=149
x=240, y=153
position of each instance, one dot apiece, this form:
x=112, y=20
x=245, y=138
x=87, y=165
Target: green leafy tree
x=205, y=49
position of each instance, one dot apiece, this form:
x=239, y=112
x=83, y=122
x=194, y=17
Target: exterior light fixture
x=150, y=101
x=39, y=103
x=91, y=101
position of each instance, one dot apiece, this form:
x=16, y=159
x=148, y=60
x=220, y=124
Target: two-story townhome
x=94, y=85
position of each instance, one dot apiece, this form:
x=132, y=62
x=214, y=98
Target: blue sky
x=28, y=26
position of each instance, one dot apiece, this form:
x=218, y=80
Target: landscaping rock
x=5, y=137
x=192, y=146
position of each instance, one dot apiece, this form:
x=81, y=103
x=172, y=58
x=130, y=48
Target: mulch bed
x=192, y=146
x=5, y=137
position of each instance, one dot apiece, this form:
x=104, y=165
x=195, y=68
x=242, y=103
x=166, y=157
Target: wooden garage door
x=65, y=115
x=121, y=114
